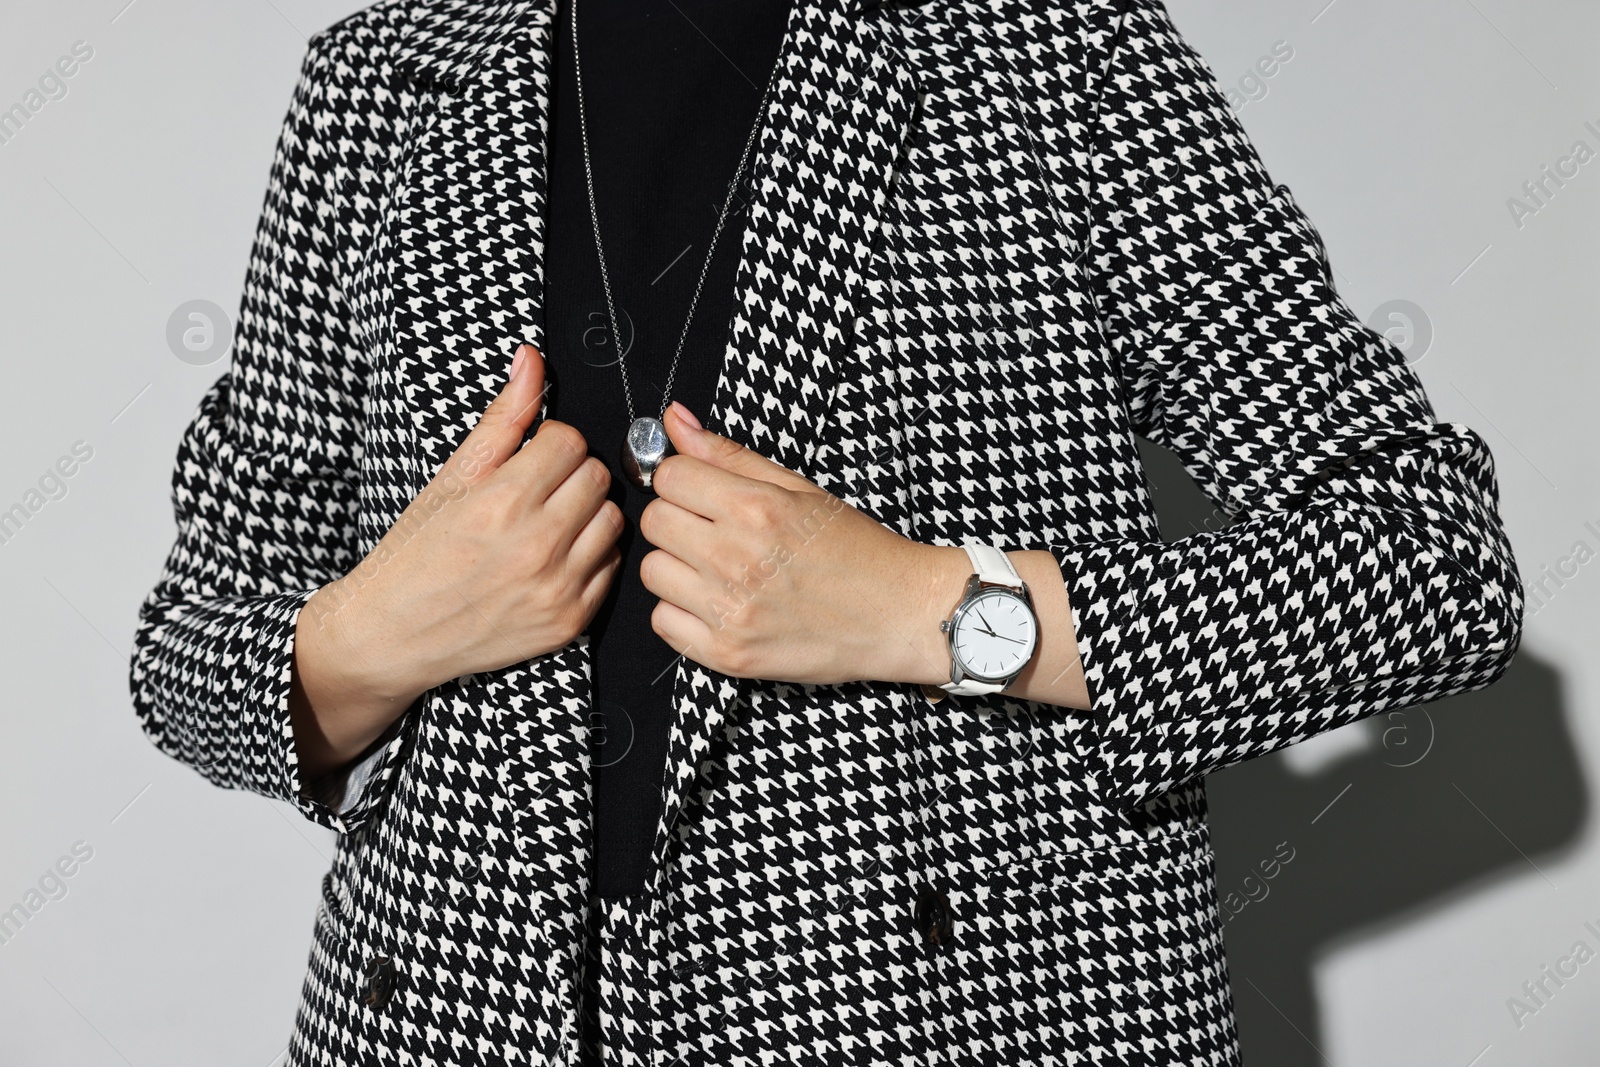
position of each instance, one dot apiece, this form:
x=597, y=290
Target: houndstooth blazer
x=987, y=243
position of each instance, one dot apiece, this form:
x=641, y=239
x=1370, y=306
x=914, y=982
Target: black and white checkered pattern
x=990, y=241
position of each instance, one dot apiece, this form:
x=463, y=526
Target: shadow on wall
x=1444, y=799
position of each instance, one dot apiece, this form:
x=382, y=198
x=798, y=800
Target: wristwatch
x=993, y=632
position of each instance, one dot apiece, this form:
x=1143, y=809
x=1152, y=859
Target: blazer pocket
x=346, y=928
x=1078, y=952
x=338, y=956
x=815, y=964
x=332, y=910
x=359, y=967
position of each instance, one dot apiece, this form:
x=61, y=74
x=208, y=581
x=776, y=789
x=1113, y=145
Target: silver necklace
x=646, y=443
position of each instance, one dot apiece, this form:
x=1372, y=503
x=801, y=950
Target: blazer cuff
x=352, y=791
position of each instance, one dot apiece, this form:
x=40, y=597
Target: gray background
x=1441, y=858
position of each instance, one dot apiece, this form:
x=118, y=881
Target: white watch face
x=994, y=635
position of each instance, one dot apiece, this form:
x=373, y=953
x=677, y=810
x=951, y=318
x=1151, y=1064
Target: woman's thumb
x=505, y=421
x=526, y=383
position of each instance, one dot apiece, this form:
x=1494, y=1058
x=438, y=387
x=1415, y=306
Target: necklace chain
x=594, y=215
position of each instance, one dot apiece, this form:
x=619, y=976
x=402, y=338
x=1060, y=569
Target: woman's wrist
x=348, y=686
x=929, y=585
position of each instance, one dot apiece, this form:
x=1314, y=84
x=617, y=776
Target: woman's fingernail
x=519, y=360
x=687, y=416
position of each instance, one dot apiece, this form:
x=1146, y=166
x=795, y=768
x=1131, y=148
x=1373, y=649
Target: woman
x=971, y=251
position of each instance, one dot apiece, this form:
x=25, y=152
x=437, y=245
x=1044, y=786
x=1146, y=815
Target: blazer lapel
x=839, y=112
x=469, y=229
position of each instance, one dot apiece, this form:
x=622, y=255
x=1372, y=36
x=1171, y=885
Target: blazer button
x=934, y=920
x=377, y=982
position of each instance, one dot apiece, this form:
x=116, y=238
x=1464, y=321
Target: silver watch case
x=975, y=585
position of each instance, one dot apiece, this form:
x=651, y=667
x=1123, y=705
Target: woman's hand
x=763, y=575
x=505, y=555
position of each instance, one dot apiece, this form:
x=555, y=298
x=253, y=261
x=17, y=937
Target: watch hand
x=1003, y=637
x=986, y=629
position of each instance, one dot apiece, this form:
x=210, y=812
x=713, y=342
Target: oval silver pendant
x=646, y=446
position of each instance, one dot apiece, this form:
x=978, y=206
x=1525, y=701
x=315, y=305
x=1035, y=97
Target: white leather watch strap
x=971, y=687
x=992, y=566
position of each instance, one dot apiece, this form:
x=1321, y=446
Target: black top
x=671, y=88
